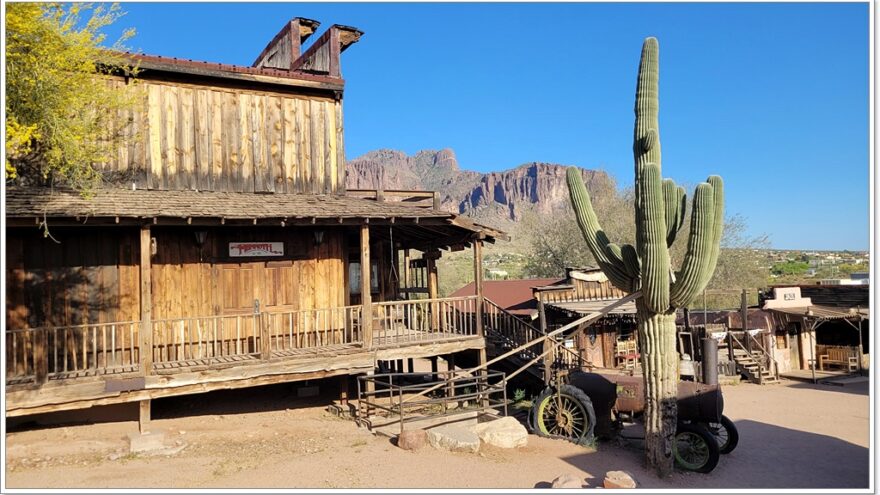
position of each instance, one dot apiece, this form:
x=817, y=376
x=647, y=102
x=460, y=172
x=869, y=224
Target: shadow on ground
x=767, y=456
x=222, y=402
x=860, y=388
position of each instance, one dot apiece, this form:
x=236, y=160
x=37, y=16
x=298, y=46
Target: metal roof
x=594, y=305
x=823, y=312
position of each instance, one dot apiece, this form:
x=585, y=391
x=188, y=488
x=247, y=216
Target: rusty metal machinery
x=703, y=431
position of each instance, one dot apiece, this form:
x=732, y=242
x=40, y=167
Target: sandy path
x=791, y=435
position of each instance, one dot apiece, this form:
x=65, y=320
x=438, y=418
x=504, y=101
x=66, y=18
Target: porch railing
x=422, y=320
x=39, y=354
x=314, y=328
x=177, y=340
x=58, y=352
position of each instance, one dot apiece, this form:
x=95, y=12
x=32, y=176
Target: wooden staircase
x=754, y=361
x=504, y=332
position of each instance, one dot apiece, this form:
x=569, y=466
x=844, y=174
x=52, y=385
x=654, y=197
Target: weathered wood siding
x=211, y=138
x=91, y=276
x=308, y=276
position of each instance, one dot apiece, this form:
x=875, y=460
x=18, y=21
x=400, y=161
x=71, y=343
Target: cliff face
x=496, y=196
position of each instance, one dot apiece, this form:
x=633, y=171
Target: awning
x=816, y=312
x=593, y=306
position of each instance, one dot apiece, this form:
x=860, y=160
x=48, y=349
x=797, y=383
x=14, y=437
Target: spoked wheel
x=726, y=434
x=566, y=414
x=694, y=448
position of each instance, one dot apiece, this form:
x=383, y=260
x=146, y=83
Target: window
x=354, y=277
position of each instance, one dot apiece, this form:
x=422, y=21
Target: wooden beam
x=145, y=333
x=144, y=416
x=366, y=296
x=478, y=284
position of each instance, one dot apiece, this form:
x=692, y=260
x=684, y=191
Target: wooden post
x=548, y=360
x=366, y=297
x=434, y=376
x=484, y=378
x=478, y=284
x=431, y=257
x=144, y=416
x=436, y=200
x=41, y=356
x=145, y=333
x=405, y=283
x=744, y=314
x=265, y=322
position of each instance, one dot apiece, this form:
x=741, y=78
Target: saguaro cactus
x=660, y=211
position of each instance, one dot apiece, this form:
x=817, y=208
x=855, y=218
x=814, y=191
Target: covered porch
x=134, y=303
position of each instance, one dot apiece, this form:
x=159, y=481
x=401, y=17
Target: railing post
x=41, y=356
x=548, y=360
x=265, y=322
x=366, y=296
x=145, y=333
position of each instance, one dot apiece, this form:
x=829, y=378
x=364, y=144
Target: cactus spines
x=660, y=207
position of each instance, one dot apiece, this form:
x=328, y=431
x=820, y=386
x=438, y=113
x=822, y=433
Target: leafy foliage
x=59, y=111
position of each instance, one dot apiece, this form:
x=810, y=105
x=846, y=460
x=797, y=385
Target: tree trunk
x=660, y=368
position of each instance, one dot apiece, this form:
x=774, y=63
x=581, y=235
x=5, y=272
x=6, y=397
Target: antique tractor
x=582, y=406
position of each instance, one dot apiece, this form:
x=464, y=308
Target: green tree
x=60, y=112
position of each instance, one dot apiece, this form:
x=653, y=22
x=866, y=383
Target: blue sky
x=772, y=97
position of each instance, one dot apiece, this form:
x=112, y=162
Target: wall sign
x=255, y=249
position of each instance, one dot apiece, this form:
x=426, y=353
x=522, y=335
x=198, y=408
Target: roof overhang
x=422, y=228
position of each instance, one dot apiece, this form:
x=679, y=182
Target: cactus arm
x=633, y=265
x=646, y=139
x=718, y=192
x=651, y=238
x=694, y=273
x=675, y=200
x=609, y=261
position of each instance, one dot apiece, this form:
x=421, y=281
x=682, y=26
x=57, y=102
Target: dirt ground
x=793, y=435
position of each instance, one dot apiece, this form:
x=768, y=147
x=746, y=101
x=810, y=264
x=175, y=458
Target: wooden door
x=241, y=292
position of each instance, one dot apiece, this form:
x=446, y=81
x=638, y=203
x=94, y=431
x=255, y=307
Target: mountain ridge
x=498, y=198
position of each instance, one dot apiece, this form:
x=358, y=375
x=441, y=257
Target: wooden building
x=223, y=250
x=609, y=343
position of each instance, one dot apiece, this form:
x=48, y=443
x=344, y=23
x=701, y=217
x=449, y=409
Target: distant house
x=810, y=319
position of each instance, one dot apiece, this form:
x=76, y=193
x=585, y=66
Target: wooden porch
x=59, y=368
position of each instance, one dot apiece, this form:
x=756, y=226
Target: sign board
x=255, y=249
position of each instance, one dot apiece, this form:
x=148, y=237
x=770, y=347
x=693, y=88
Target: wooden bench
x=839, y=356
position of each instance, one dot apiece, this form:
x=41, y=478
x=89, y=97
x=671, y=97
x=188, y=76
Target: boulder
x=454, y=439
x=567, y=481
x=412, y=439
x=506, y=433
x=619, y=479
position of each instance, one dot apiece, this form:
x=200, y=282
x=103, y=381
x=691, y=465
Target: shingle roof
x=142, y=203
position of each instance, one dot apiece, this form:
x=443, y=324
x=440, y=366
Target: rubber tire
x=576, y=394
x=732, y=435
x=708, y=438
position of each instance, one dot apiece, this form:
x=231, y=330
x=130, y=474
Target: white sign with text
x=255, y=249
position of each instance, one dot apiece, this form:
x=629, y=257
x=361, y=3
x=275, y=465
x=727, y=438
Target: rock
x=454, y=439
x=506, y=433
x=412, y=439
x=619, y=479
x=567, y=481
x=146, y=442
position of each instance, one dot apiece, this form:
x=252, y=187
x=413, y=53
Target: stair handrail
x=535, y=330
x=771, y=361
x=585, y=320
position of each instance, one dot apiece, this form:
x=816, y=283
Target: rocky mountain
x=496, y=198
